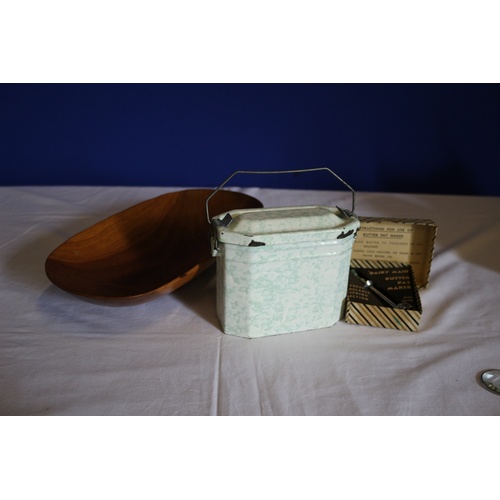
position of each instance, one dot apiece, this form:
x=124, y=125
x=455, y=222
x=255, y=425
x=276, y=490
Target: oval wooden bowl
x=151, y=248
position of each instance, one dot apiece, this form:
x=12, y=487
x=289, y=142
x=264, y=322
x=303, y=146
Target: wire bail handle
x=279, y=172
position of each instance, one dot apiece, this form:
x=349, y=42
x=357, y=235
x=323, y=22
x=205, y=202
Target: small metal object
x=491, y=380
x=368, y=284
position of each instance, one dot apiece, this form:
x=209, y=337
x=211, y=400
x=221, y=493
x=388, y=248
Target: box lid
x=409, y=241
x=259, y=227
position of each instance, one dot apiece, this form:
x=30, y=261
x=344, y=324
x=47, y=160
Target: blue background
x=428, y=138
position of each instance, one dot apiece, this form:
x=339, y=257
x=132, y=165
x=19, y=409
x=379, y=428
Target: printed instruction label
x=406, y=242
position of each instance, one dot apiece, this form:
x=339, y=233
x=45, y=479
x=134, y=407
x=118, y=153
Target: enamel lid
x=259, y=227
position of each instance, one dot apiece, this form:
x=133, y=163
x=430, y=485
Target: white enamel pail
x=282, y=270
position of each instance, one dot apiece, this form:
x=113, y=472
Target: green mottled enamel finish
x=282, y=270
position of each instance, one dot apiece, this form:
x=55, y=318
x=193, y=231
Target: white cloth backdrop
x=60, y=355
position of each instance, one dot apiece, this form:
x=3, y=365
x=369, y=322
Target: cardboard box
x=407, y=241
x=383, y=294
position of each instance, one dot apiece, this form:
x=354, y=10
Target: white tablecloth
x=61, y=355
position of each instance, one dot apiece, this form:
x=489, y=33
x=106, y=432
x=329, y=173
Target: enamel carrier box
x=282, y=270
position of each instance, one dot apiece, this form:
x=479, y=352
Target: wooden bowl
x=151, y=248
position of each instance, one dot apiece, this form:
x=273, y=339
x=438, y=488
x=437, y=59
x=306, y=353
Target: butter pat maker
x=282, y=270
